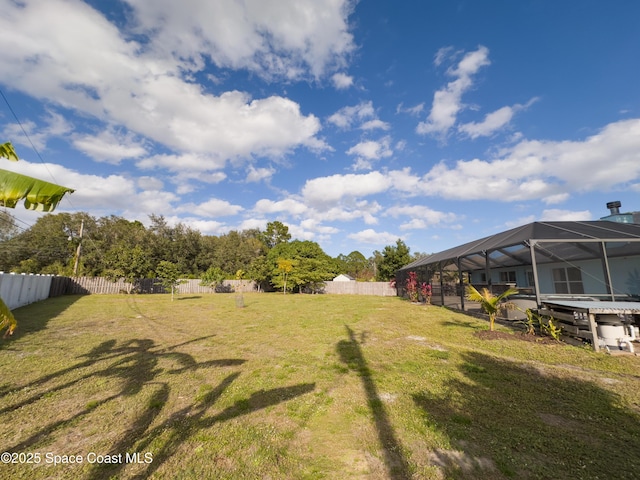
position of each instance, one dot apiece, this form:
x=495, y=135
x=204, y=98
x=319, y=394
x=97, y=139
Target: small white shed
x=343, y=277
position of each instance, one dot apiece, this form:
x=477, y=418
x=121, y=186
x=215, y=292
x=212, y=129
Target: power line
x=12, y=221
x=26, y=134
x=66, y=197
x=24, y=131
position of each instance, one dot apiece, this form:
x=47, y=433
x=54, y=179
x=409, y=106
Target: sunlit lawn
x=303, y=387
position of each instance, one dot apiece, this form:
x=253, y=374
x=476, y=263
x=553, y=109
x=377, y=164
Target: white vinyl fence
x=20, y=289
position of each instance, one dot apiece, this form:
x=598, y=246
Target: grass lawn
x=303, y=387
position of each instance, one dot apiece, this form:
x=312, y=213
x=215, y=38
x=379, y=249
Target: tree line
x=78, y=244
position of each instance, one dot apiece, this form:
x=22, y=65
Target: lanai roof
x=513, y=245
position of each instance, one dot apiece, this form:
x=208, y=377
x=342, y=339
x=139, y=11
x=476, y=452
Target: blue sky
x=354, y=123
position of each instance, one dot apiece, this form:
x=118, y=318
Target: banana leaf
x=7, y=319
x=37, y=194
x=7, y=151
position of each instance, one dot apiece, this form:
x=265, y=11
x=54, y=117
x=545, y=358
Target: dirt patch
x=494, y=335
x=573, y=427
x=559, y=421
x=459, y=460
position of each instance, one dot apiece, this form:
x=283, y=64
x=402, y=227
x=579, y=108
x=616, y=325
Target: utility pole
x=78, y=250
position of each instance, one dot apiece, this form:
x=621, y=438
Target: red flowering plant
x=425, y=289
x=412, y=286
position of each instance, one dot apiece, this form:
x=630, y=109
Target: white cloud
x=471, y=63
x=447, y=102
x=554, y=215
x=206, y=227
x=370, y=150
x=94, y=69
x=147, y=201
x=259, y=174
x=441, y=55
x=421, y=215
x=282, y=38
x=329, y=190
x=373, y=149
x=555, y=199
x=415, y=110
x=405, y=181
x=29, y=134
x=312, y=229
x=13, y=131
x=252, y=223
x=346, y=116
x=493, y=121
x=362, y=164
x=414, y=224
x=300, y=233
x=371, y=237
x=213, y=207
x=478, y=179
x=109, y=146
x=342, y=81
x=184, y=179
x=288, y=205
x=375, y=124
x=94, y=192
x=315, y=226
x=150, y=183
x=188, y=164
x=348, y=212
x=544, y=169
x=609, y=158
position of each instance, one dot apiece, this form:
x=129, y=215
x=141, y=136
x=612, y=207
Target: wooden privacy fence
x=18, y=290
x=86, y=285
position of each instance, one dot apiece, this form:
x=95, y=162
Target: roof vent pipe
x=614, y=207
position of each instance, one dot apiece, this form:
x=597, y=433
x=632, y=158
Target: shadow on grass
x=351, y=354
x=35, y=316
x=184, y=423
x=104, y=352
x=504, y=420
x=135, y=363
x=472, y=324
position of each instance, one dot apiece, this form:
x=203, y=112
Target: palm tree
x=489, y=302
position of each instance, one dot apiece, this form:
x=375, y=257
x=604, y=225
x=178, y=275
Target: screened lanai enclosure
x=547, y=262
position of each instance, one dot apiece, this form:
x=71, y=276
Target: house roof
x=344, y=275
x=512, y=246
